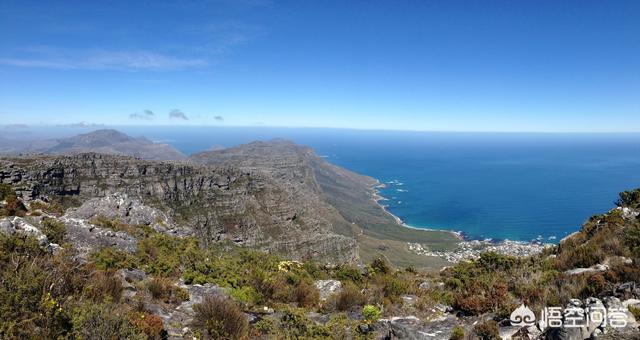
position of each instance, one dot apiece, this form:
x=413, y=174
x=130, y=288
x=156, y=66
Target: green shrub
x=394, y=287
x=103, y=321
x=629, y=198
x=457, y=333
x=54, y=230
x=595, y=285
x=349, y=296
x=32, y=287
x=295, y=325
x=348, y=272
x=220, y=318
x=247, y=295
x=492, y=261
x=381, y=265
x=371, y=314
x=108, y=258
x=6, y=191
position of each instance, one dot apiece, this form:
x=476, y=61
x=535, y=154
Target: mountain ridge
x=107, y=141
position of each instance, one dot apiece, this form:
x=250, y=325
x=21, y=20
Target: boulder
x=12, y=225
x=127, y=210
x=327, y=288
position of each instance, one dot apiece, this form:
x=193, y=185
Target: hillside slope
x=349, y=194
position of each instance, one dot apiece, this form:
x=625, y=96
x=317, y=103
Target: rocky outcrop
x=249, y=208
x=18, y=225
x=328, y=288
x=86, y=237
x=127, y=210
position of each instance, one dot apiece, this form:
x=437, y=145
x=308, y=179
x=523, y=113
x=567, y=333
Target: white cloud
x=106, y=60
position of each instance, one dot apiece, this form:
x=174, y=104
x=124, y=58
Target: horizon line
x=99, y=126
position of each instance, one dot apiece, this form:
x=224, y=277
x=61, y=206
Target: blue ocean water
x=500, y=186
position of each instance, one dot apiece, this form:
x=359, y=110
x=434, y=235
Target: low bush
x=381, y=265
x=164, y=289
x=103, y=321
x=149, y=324
x=371, y=314
x=488, y=330
x=220, y=318
x=108, y=258
x=307, y=295
x=349, y=297
x=104, y=286
x=54, y=230
x=295, y=325
x=457, y=333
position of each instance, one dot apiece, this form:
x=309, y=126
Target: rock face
x=127, y=210
x=213, y=203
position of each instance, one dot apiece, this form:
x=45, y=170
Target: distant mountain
x=346, y=199
x=106, y=141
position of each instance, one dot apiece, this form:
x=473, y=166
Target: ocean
x=516, y=186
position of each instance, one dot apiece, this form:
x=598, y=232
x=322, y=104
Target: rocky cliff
x=211, y=202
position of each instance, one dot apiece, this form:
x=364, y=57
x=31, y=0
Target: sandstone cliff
x=214, y=203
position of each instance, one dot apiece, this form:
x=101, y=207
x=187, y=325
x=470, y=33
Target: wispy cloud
x=218, y=118
x=221, y=37
x=105, y=60
x=81, y=125
x=177, y=114
x=142, y=115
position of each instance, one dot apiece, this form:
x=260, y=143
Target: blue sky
x=409, y=65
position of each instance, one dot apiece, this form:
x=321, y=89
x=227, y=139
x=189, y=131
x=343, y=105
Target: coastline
x=377, y=198
x=468, y=249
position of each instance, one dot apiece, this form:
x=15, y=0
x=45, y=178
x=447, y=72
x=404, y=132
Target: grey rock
x=86, y=237
x=132, y=275
x=127, y=210
x=327, y=288
x=409, y=300
x=14, y=224
x=563, y=334
x=250, y=208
